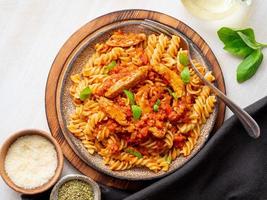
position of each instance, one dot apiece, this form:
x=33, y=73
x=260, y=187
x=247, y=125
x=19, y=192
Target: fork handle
x=248, y=122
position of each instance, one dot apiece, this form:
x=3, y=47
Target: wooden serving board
x=66, y=51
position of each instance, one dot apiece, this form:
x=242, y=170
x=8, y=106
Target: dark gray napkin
x=231, y=166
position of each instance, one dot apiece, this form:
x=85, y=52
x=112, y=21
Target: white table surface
x=33, y=31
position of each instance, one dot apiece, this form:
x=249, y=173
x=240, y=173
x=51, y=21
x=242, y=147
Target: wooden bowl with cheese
x=31, y=161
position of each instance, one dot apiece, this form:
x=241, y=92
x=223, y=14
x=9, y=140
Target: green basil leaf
x=130, y=96
x=243, y=43
x=248, y=32
x=248, y=67
x=156, y=106
x=238, y=48
x=85, y=93
x=227, y=34
x=249, y=41
x=183, y=58
x=234, y=43
x=111, y=65
x=137, y=111
x=185, y=75
x=133, y=152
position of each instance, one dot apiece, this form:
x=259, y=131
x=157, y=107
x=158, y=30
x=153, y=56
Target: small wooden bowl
x=3, y=153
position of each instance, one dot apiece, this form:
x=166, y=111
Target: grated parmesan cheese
x=31, y=161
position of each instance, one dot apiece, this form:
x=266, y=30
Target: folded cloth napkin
x=231, y=166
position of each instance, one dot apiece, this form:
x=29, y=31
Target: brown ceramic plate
x=65, y=107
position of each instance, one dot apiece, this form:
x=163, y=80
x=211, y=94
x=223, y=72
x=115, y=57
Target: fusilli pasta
x=133, y=108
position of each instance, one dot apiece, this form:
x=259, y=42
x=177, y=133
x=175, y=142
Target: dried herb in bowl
x=76, y=190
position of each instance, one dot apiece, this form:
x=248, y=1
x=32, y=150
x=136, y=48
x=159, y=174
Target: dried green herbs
x=75, y=190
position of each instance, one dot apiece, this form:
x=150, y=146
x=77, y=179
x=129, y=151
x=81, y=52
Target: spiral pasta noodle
x=191, y=141
x=151, y=44
x=159, y=50
x=169, y=57
x=106, y=58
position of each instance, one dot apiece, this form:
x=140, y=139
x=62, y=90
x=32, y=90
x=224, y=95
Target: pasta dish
x=138, y=102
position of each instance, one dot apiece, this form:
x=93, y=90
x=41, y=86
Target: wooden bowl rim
x=4, y=149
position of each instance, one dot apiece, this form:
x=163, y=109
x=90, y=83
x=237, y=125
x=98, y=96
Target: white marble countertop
x=33, y=31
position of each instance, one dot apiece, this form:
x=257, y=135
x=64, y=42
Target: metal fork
x=247, y=121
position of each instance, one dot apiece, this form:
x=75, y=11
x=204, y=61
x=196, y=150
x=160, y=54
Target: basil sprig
x=233, y=43
x=242, y=43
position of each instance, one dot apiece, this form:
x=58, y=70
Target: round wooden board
x=66, y=51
